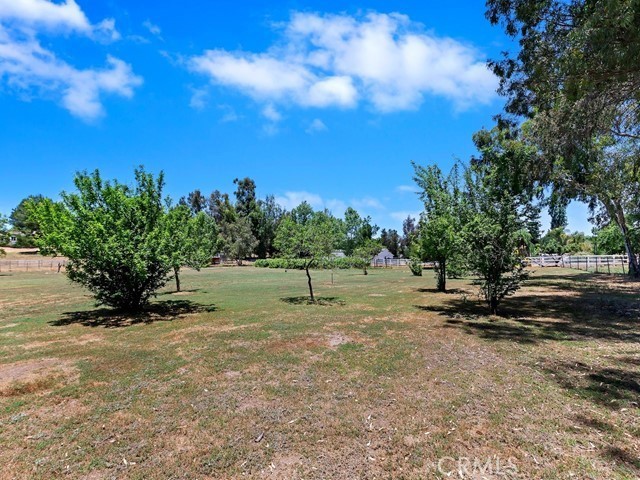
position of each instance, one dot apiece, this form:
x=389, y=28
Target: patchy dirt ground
x=240, y=379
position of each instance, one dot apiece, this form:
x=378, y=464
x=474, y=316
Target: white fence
x=596, y=263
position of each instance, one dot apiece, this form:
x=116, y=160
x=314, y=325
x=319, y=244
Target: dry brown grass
x=236, y=383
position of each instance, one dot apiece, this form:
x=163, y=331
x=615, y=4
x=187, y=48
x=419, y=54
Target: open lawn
x=238, y=377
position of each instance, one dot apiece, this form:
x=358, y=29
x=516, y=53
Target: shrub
x=415, y=265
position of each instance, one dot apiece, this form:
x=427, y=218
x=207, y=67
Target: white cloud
x=385, y=60
x=153, y=28
x=270, y=113
x=29, y=69
x=401, y=215
x=407, y=189
x=316, y=126
x=199, y=97
x=368, y=202
x=291, y=200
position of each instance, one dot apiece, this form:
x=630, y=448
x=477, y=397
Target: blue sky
x=327, y=102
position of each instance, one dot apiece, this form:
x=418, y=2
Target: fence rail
x=595, y=263
x=53, y=265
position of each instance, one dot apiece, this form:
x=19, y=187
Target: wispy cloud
x=403, y=214
x=316, y=126
x=407, y=189
x=30, y=69
x=385, y=60
x=153, y=29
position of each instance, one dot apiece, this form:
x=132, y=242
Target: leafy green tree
x=220, y=207
x=493, y=234
x=113, y=236
x=365, y=253
x=308, y=235
x=189, y=240
x=23, y=221
x=358, y=231
x=555, y=242
x=391, y=241
x=577, y=74
x=237, y=239
x=409, y=235
x=440, y=231
x=195, y=201
x=269, y=216
x=608, y=240
x=3, y=233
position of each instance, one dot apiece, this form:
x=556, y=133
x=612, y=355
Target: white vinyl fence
x=590, y=263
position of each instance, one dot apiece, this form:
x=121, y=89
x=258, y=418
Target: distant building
x=338, y=254
x=384, y=255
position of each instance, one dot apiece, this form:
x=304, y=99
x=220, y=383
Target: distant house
x=13, y=237
x=382, y=257
x=338, y=254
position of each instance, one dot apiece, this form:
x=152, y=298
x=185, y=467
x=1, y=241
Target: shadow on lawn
x=565, y=311
x=609, y=386
x=162, y=311
x=305, y=300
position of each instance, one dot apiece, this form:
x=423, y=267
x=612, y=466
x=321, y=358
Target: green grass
x=382, y=379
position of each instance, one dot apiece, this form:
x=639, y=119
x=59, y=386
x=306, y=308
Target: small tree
x=3, y=233
x=365, y=253
x=190, y=240
x=312, y=237
x=440, y=230
x=113, y=236
x=493, y=235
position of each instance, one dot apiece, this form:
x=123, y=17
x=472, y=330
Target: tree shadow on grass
x=608, y=386
x=451, y=291
x=305, y=300
x=582, y=314
x=163, y=311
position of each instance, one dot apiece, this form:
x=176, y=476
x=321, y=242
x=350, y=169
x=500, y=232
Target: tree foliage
x=113, y=236
x=440, y=230
x=189, y=240
x=309, y=235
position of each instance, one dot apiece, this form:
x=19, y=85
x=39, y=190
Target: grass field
x=238, y=377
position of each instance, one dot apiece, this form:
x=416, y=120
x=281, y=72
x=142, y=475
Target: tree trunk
x=442, y=276
x=176, y=272
x=306, y=268
x=493, y=306
x=615, y=211
x=365, y=270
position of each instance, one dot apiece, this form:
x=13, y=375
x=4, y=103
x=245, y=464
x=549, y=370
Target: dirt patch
x=9, y=325
x=34, y=375
x=337, y=339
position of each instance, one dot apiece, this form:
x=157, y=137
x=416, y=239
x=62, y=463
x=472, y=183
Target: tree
x=577, y=74
x=409, y=233
x=390, y=240
x=493, y=233
x=24, y=222
x=309, y=236
x=113, y=236
x=220, y=208
x=440, y=230
x=608, y=240
x=195, y=201
x=3, y=233
x=237, y=240
x=189, y=240
x=358, y=231
x=246, y=202
x=269, y=215
x=365, y=253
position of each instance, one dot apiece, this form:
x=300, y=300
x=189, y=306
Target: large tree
x=358, y=231
x=577, y=74
x=236, y=238
x=269, y=215
x=308, y=235
x=113, y=236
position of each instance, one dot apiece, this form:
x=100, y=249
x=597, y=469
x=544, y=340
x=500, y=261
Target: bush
x=342, y=263
x=415, y=265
